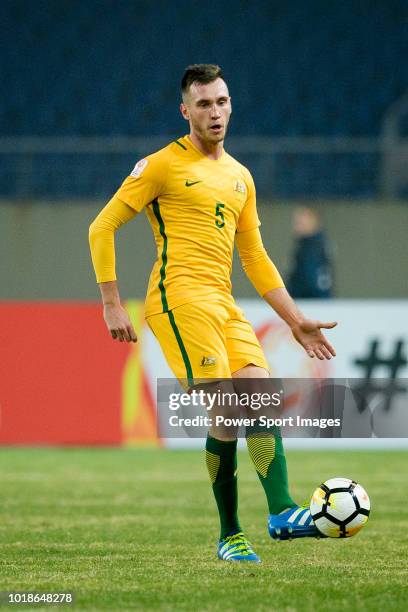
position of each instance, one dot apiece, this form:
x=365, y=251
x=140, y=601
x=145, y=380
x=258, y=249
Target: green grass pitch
x=136, y=530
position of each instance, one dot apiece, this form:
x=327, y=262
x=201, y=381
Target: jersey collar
x=187, y=141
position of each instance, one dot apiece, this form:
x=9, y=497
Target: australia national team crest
x=138, y=169
x=207, y=361
x=239, y=187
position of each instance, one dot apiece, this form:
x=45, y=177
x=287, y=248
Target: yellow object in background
x=139, y=421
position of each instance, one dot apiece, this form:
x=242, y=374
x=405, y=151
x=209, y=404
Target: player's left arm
x=266, y=279
x=306, y=331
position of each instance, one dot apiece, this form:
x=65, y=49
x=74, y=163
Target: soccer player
x=200, y=201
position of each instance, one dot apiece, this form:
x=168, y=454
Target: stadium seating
x=102, y=68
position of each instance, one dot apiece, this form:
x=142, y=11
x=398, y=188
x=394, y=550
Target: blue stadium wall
x=108, y=68
x=294, y=68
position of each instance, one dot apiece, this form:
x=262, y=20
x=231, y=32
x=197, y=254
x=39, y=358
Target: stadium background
x=320, y=110
x=320, y=115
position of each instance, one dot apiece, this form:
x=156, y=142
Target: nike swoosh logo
x=190, y=183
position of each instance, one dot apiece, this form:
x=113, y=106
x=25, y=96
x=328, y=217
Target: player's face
x=208, y=108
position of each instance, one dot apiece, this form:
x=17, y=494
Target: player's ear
x=184, y=111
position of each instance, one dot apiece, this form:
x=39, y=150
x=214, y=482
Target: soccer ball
x=340, y=507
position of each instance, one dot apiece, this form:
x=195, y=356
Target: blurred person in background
x=311, y=275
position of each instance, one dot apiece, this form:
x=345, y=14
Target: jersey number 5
x=220, y=222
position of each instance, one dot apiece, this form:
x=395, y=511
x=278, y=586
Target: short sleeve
x=248, y=219
x=145, y=182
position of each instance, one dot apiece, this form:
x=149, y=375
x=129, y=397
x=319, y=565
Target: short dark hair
x=200, y=73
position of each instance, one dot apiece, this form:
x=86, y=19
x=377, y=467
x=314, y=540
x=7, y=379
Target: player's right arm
x=144, y=184
x=102, y=244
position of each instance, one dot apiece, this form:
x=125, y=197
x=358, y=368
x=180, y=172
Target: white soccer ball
x=340, y=507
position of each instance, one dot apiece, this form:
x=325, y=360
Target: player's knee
x=223, y=408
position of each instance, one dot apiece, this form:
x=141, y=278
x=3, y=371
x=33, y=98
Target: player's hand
x=118, y=323
x=308, y=334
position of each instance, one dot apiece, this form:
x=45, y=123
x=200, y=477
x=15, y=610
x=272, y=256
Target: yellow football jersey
x=195, y=206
